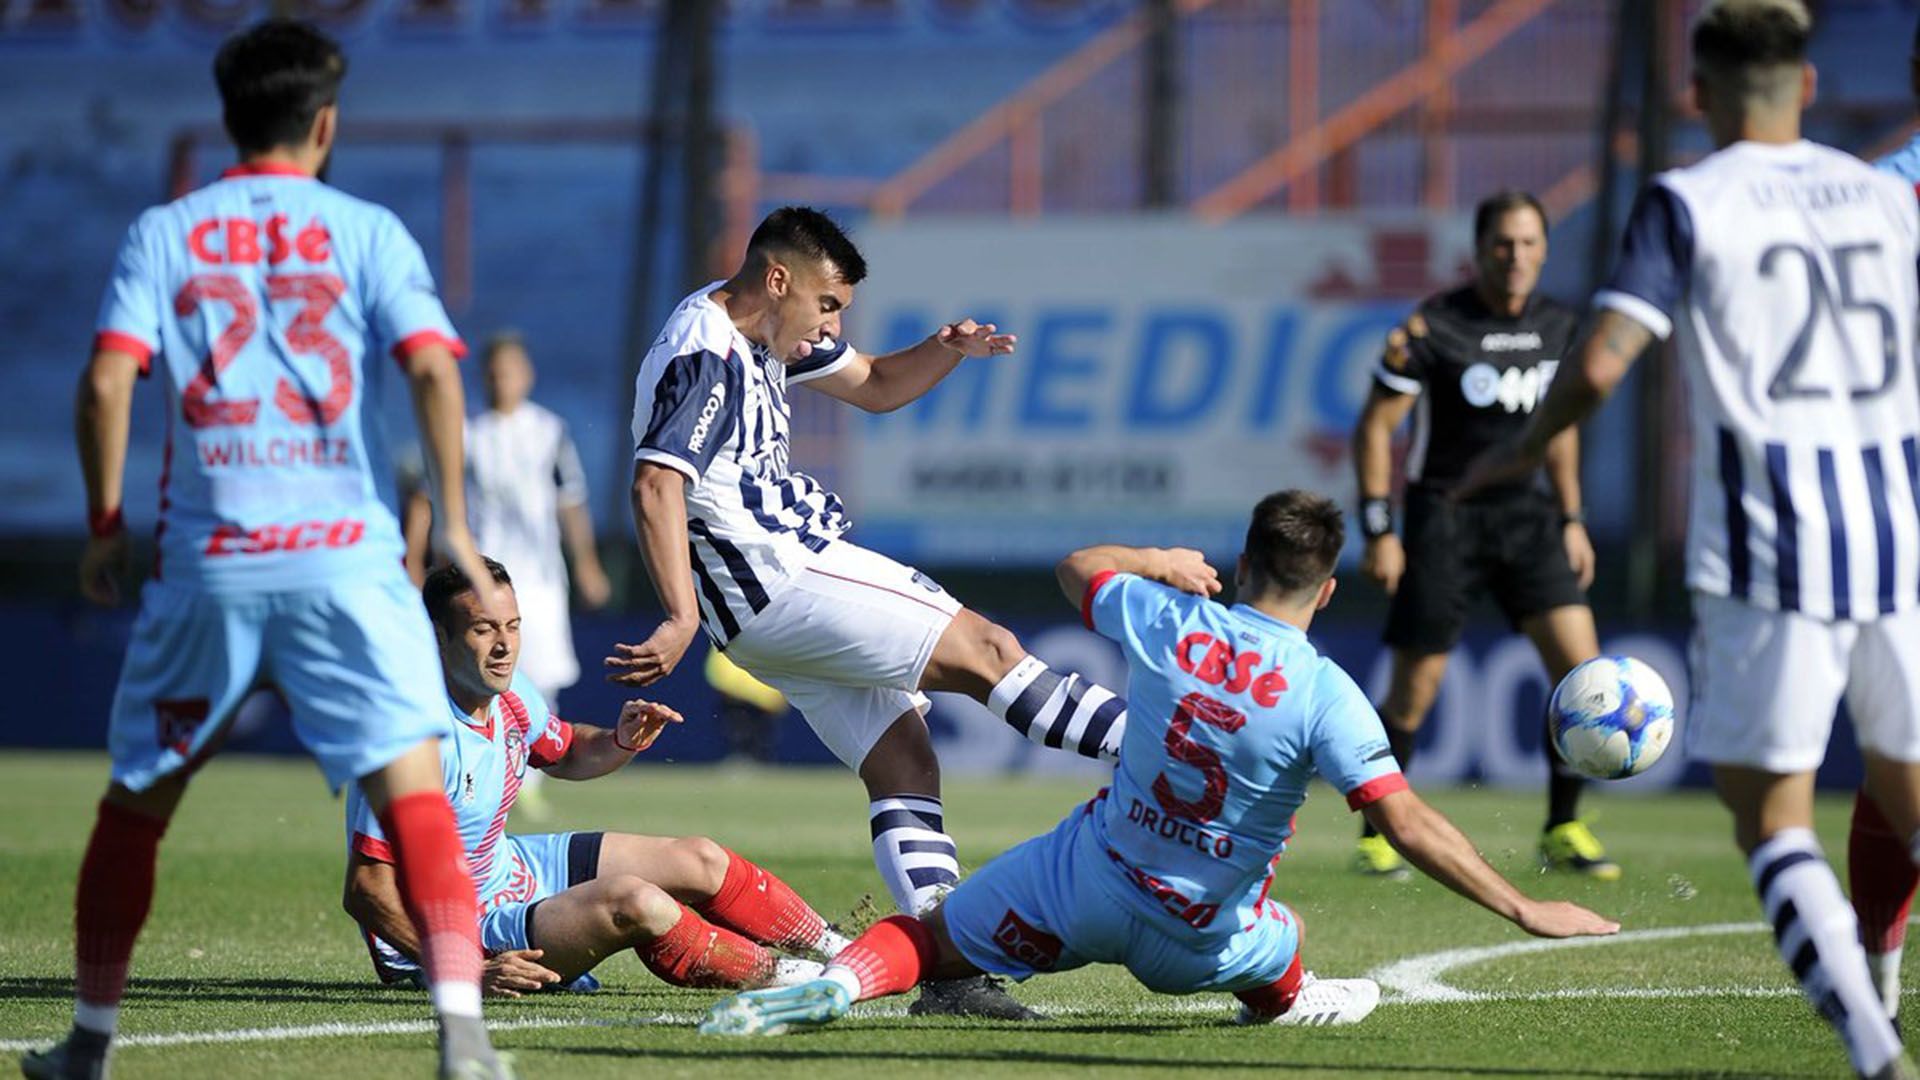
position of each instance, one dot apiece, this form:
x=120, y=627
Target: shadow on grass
x=253, y=991
x=789, y=1053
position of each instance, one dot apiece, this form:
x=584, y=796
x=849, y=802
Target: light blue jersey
x=482, y=769
x=262, y=297
x=1904, y=162
x=1230, y=714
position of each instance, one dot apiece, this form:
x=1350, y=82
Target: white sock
x=916, y=857
x=1818, y=936
x=456, y=998
x=846, y=978
x=102, y=1019
x=1060, y=711
x=831, y=942
x=1885, y=969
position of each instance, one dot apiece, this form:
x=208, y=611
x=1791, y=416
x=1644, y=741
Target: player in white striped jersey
x=1786, y=273
x=738, y=543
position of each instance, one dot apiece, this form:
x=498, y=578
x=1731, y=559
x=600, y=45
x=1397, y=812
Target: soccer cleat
x=467, y=1054
x=1322, y=1003
x=778, y=1011
x=1375, y=857
x=82, y=1055
x=1900, y=1068
x=981, y=996
x=790, y=971
x=1572, y=846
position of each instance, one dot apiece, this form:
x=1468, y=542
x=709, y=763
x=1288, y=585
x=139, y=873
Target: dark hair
x=447, y=582
x=1293, y=541
x=274, y=78
x=802, y=230
x=1498, y=205
x=502, y=339
x=1736, y=35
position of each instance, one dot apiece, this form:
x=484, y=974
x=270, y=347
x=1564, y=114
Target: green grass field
x=247, y=945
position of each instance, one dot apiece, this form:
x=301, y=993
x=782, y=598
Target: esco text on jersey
x=1515, y=389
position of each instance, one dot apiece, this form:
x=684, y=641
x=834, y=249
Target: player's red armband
x=1093, y=590
x=1376, y=789
x=551, y=747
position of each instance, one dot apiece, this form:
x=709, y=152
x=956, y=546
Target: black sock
x=1563, y=785
x=1401, y=743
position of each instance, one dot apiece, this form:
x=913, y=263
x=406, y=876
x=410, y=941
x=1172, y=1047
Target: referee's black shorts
x=1512, y=547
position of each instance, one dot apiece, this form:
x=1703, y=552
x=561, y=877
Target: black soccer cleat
x=82, y=1055
x=982, y=996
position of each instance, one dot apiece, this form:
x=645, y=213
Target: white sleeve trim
x=795, y=378
x=1636, y=309
x=672, y=461
x=1397, y=383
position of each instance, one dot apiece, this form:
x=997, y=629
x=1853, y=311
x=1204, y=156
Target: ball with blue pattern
x=1612, y=717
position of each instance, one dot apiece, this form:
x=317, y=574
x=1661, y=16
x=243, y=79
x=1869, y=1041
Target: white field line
x=1415, y=980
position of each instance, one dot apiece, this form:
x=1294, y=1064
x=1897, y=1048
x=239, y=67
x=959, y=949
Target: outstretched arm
x=884, y=383
x=597, y=751
x=1432, y=843
x=660, y=518
x=1182, y=568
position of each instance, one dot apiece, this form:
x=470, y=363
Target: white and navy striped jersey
x=1787, y=274
x=713, y=406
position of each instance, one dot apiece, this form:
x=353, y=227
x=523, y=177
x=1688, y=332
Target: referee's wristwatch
x=1376, y=518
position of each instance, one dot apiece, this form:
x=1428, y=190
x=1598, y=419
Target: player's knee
x=640, y=908
x=999, y=649
x=706, y=862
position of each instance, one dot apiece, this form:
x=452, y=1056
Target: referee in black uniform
x=1470, y=364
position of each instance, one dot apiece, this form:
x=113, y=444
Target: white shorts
x=847, y=641
x=1767, y=684
x=546, y=637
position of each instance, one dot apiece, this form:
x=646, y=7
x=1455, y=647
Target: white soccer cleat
x=792, y=971
x=775, y=1012
x=1323, y=1002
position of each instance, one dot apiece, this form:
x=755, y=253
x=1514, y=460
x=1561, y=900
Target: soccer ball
x=1611, y=717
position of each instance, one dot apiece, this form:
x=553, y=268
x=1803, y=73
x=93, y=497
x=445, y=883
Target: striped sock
x=1817, y=935
x=911, y=847
x=1060, y=711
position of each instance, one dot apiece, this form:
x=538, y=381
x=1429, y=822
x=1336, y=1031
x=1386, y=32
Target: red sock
x=1275, y=998
x=437, y=889
x=761, y=906
x=115, y=893
x=890, y=957
x=1881, y=876
x=694, y=952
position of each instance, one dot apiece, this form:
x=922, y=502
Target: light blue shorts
x=536, y=865
x=356, y=663
x=1048, y=905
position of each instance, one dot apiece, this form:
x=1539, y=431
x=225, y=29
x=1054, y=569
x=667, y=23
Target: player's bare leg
x=1413, y=684
x=577, y=929
x=1566, y=637
x=115, y=893
x=430, y=863
x=723, y=887
x=1882, y=846
x=918, y=859
x=1062, y=710
x=1813, y=924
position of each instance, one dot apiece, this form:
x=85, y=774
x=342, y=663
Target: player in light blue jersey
x=1905, y=162
x=554, y=905
x=1169, y=871
x=270, y=309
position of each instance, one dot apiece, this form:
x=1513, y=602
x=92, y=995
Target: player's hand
x=1187, y=570
x=1508, y=463
x=969, y=338
x=494, y=599
x=1580, y=552
x=590, y=581
x=1560, y=919
x=653, y=659
x=1384, y=561
x=641, y=722
x=102, y=567
x=515, y=972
